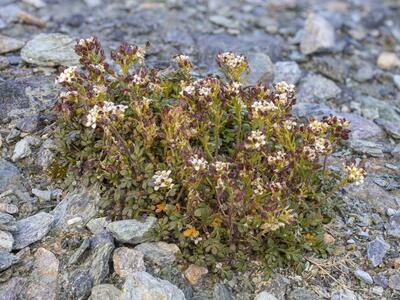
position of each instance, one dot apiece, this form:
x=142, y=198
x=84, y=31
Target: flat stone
x=391, y=128
x=288, y=71
x=42, y=194
x=394, y=281
x=159, y=253
x=396, y=80
x=11, y=289
x=7, y=222
x=8, y=208
x=195, y=273
x=74, y=258
x=388, y=61
x=28, y=124
x=317, y=88
x=6, y=241
x=319, y=35
x=261, y=68
x=367, y=147
x=43, y=280
x=396, y=151
x=10, y=177
x=363, y=276
x=81, y=203
x=302, y=294
x=97, y=225
x=373, y=108
x=143, y=286
x=127, y=260
x=265, y=296
x=8, y=44
x=394, y=226
x=105, y=292
x=7, y=260
x=131, y=231
x=221, y=292
x=343, y=295
x=362, y=128
x=377, y=250
x=330, y=67
x=381, y=280
x=32, y=229
x=50, y=49
x=23, y=148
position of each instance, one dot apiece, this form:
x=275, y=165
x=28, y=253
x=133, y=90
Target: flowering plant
x=225, y=167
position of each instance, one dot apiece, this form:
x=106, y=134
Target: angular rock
x=318, y=35
x=221, y=292
x=394, y=226
x=7, y=260
x=194, y=273
x=43, y=280
x=261, y=68
x=8, y=44
x=332, y=68
x=43, y=195
x=131, y=231
x=10, y=176
x=6, y=241
x=105, y=292
x=159, y=253
x=265, y=296
x=381, y=280
x=392, y=128
x=394, y=281
x=7, y=208
x=7, y=222
x=52, y=49
x=11, y=289
x=32, y=229
x=388, y=61
x=396, y=151
x=288, y=71
x=143, y=286
x=362, y=128
x=127, y=260
x=367, y=147
x=82, y=203
x=396, y=80
x=343, y=295
x=373, y=108
x=79, y=252
x=28, y=124
x=23, y=148
x=377, y=250
x=302, y=294
x=317, y=88
x=363, y=276
x=97, y=225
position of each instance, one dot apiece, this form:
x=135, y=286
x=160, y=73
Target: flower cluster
x=67, y=76
x=232, y=65
x=162, y=179
x=256, y=140
x=106, y=110
x=355, y=174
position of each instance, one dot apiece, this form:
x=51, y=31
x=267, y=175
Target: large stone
x=261, y=68
x=105, y=292
x=10, y=176
x=377, y=250
x=7, y=260
x=362, y=128
x=159, y=253
x=330, y=67
x=316, y=88
x=80, y=205
x=32, y=229
x=11, y=289
x=367, y=147
x=6, y=241
x=318, y=35
x=52, y=49
x=288, y=71
x=8, y=44
x=132, y=231
x=127, y=260
x=221, y=292
x=43, y=280
x=7, y=222
x=97, y=225
x=143, y=286
x=373, y=108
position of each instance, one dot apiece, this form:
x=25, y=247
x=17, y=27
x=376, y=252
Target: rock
x=32, y=229
x=23, y=148
x=343, y=295
x=127, y=260
x=7, y=222
x=105, y=292
x=80, y=204
x=159, y=253
x=43, y=195
x=318, y=35
x=377, y=250
x=97, y=225
x=364, y=73
x=307, y=110
x=79, y=252
x=6, y=241
x=4, y=63
x=28, y=124
x=52, y=49
x=394, y=281
x=8, y=44
x=43, y=280
x=12, y=288
x=8, y=208
x=224, y=21
x=381, y=280
x=131, y=231
x=7, y=260
x=288, y=71
x=373, y=108
x=330, y=67
x=143, y=286
x=388, y=61
x=396, y=80
x=265, y=296
x=394, y=226
x=367, y=147
x=36, y=3
x=363, y=276
x=317, y=88
x=194, y=273
x=396, y=151
x=362, y=128
x=328, y=239
x=391, y=128
x=221, y=292
x=92, y=3
x=302, y=294
x=261, y=68
x=10, y=176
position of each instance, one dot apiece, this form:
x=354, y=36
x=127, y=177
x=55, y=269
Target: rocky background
x=343, y=55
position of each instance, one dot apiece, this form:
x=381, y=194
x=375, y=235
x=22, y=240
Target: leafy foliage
x=228, y=171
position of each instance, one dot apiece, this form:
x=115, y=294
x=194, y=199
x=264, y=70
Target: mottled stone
x=367, y=147
x=221, y=292
x=381, y=280
x=330, y=67
x=8, y=208
x=143, y=286
x=11, y=289
x=10, y=176
x=396, y=151
x=32, y=229
x=261, y=68
x=195, y=273
x=7, y=222
x=105, y=292
x=8, y=44
x=343, y=295
x=363, y=276
x=317, y=88
x=159, y=253
x=302, y=294
x=127, y=260
x=288, y=71
x=318, y=35
x=97, y=225
x=377, y=250
x=132, y=231
x=6, y=241
x=394, y=226
x=394, y=281
x=23, y=148
x=362, y=128
x=79, y=252
x=7, y=260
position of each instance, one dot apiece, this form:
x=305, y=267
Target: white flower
x=98, y=67
x=85, y=42
x=317, y=126
x=289, y=124
x=198, y=163
x=137, y=79
x=234, y=87
x=355, y=174
x=162, y=179
x=263, y=106
x=322, y=145
x=277, y=158
x=108, y=108
x=309, y=153
x=282, y=87
x=258, y=186
x=231, y=60
x=99, y=89
x=221, y=166
x=256, y=140
x=189, y=89
x=67, y=75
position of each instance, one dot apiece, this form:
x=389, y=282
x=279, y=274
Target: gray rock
x=362, y=128
x=392, y=128
x=394, y=281
x=6, y=241
x=28, y=124
x=396, y=151
x=308, y=110
x=41, y=194
x=261, y=68
x=318, y=35
x=105, y=292
x=302, y=294
x=363, y=276
x=366, y=147
x=377, y=250
x=3, y=62
x=132, y=231
x=10, y=176
x=221, y=292
x=7, y=222
x=79, y=252
x=7, y=208
x=92, y=3
x=97, y=225
x=7, y=260
x=159, y=253
x=396, y=80
x=343, y=295
x=11, y=289
x=52, y=49
x=373, y=108
x=331, y=68
x=224, y=21
x=364, y=73
x=43, y=279
x=381, y=280
x=288, y=71
x=265, y=296
x=23, y=148
x=80, y=204
x=8, y=44
x=32, y=229
x=394, y=226
x=317, y=88
x=126, y=260
x=143, y=286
